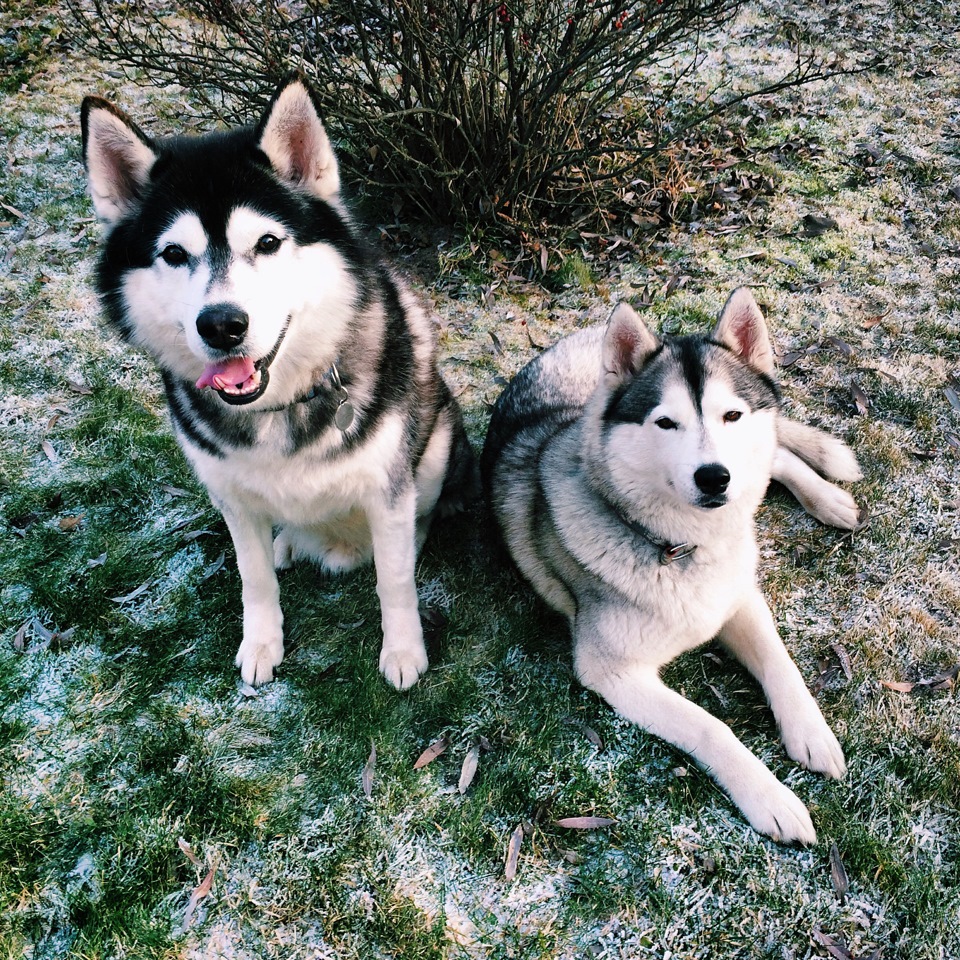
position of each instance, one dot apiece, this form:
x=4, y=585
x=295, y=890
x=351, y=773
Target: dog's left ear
x=292, y=136
x=741, y=327
x=626, y=345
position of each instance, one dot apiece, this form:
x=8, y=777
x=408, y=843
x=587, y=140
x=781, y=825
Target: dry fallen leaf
x=816, y=226
x=787, y=262
x=868, y=323
x=188, y=852
x=944, y=680
x=71, y=523
x=791, y=357
x=214, y=567
x=77, y=387
x=898, y=685
x=142, y=589
x=206, y=885
x=838, y=874
x=20, y=637
x=48, y=449
x=841, y=346
x=584, y=823
x=835, y=946
x=436, y=749
x=513, y=853
x=592, y=736
x=860, y=399
x=60, y=639
x=844, y=657
x=366, y=778
x=469, y=769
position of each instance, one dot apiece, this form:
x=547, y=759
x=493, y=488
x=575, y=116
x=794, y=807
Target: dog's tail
x=826, y=454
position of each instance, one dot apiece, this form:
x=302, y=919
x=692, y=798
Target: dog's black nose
x=712, y=478
x=222, y=325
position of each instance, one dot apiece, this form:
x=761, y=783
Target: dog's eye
x=732, y=416
x=665, y=423
x=173, y=255
x=268, y=243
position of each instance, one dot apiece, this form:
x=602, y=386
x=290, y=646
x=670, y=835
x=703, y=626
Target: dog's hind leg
x=393, y=526
x=827, y=454
x=751, y=636
x=636, y=692
x=338, y=547
x=826, y=501
x=262, y=647
x=805, y=456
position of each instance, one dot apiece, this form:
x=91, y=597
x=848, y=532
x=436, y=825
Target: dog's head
x=690, y=420
x=218, y=244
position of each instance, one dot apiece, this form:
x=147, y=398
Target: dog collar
x=344, y=414
x=667, y=553
x=330, y=382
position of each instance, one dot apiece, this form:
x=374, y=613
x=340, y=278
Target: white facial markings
x=307, y=291
x=661, y=456
x=187, y=233
x=245, y=229
x=163, y=299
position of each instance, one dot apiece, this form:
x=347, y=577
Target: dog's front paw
x=810, y=742
x=257, y=658
x=402, y=666
x=778, y=812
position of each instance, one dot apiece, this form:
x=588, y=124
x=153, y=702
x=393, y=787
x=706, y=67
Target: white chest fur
x=317, y=482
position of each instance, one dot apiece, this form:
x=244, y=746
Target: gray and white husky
x=300, y=371
x=624, y=472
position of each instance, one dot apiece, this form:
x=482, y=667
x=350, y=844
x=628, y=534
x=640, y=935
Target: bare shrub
x=466, y=109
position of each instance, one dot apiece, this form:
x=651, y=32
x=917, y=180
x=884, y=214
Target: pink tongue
x=227, y=373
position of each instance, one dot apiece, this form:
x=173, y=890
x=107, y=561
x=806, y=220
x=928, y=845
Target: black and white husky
x=300, y=371
x=624, y=472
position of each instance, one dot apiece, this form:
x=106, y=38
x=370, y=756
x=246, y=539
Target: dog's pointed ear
x=118, y=156
x=741, y=327
x=292, y=136
x=626, y=345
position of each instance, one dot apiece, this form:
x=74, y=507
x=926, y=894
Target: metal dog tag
x=344, y=415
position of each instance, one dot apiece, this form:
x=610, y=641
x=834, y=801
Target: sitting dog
x=300, y=371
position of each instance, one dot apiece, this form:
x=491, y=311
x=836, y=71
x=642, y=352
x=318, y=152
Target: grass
x=124, y=729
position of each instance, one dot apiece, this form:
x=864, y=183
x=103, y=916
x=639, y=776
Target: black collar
x=330, y=384
x=667, y=553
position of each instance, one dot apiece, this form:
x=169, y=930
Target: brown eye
x=268, y=243
x=732, y=416
x=665, y=423
x=173, y=255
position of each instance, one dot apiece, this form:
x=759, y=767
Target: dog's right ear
x=118, y=156
x=626, y=345
x=292, y=136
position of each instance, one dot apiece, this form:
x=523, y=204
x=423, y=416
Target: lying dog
x=624, y=473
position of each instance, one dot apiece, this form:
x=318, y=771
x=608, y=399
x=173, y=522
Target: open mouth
x=240, y=380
